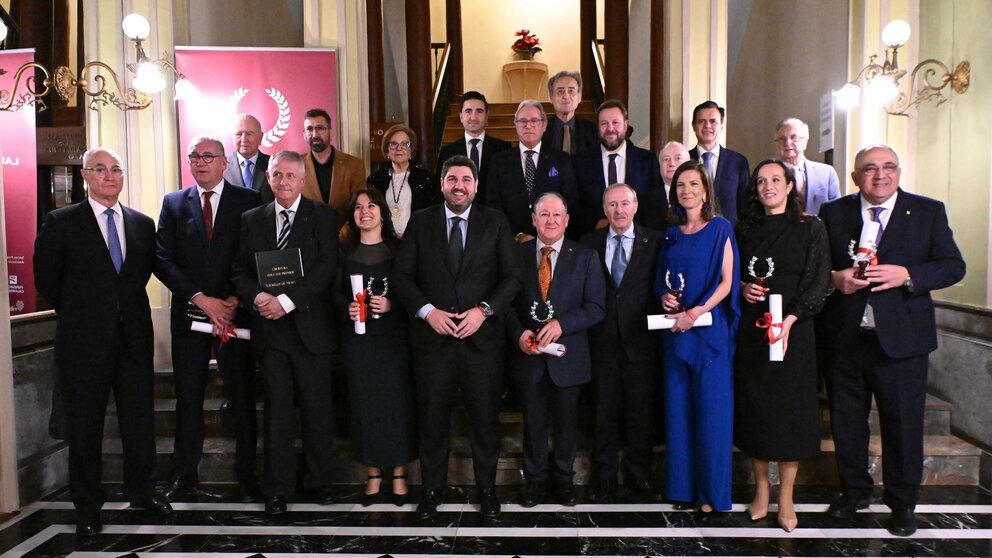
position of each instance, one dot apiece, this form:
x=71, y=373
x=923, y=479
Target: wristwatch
x=487, y=310
x=908, y=283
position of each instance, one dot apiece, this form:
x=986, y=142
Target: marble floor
x=953, y=521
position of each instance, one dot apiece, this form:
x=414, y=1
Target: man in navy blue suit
x=561, y=298
x=816, y=183
x=476, y=144
x=880, y=330
x=616, y=160
x=729, y=169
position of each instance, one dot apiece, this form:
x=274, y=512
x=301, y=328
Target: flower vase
x=523, y=55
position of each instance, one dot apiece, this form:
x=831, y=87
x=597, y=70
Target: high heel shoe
x=757, y=511
x=400, y=499
x=788, y=524
x=373, y=498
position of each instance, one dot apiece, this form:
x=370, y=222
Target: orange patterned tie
x=544, y=272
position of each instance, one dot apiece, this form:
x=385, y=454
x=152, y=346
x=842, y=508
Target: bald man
x=246, y=164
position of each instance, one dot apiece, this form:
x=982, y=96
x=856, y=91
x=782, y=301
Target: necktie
x=875, y=214
x=611, y=170
x=544, y=272
x=208, y=215
x=114, y=241
x=530, y=170
x=619, y=264
x=708, y=163
x=474, y=153
x=246, y=174
x=284, y=231
x=800, y=173
x=455, y=244
x=566, y=139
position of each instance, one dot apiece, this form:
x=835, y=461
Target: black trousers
x=626, y=396
x=563, y=402
x=190, y=361
x=86, y=390
x=899, y=387
x=457, y=373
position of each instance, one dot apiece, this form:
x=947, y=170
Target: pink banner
x=18, y=162
x=277, y=86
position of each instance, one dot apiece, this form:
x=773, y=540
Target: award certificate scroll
x=360, y=294
x=666, y=321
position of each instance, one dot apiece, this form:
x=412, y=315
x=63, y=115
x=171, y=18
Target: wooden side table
x=525, y=79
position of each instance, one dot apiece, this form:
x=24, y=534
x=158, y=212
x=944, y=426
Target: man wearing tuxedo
x=457, y=272
x=246, y=165
x=566, y=132
x=616, y=160
x=477, y=145
x=293, y=330
x=332, y=176
x=879, y=331
x=626, y=355
x=92, y=261
x=518, y=176
x=196, y=242
x=561, y=298
x=816, y=183
x=728, y=169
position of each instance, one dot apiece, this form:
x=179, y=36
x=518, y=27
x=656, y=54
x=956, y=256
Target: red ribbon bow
x=765, y=322
x=362, y=309
x=227, y=333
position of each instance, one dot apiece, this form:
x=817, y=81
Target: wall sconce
x=149, y=78
x=882, y=80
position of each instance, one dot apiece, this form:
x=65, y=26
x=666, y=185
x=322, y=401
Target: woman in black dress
x=777, y=408
x=383, y=424
x=407, y=186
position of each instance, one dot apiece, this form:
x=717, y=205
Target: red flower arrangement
x=527, y=42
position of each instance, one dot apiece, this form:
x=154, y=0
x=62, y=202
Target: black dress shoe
x=902, y=522
x=324, y=496
x=488, y=503
x=275, y=505
x=565, y=492
x=643, y=490
x=533, y=494
x=151, y=503
x=847, y=505
x=177, y=488
x=88, y=527
x=603, y=492
x=428, y=506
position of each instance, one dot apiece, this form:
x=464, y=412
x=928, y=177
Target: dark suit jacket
x=490, y=146
x=642, y=173
x=732, y=180
x=507, y=192
x=577, y=291
x=185, y=262
x=586, y=134
x=627, y=306
x=918, y=238
x=259, y=182
x=490, y=272
x=315, y=233
x=74, y=273
x=424, y=189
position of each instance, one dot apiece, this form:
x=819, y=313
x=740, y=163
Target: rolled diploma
x=356, y=288
x=553, y=349
x=869, y=232
x=664, y=321
x=776, y=350
x=239, y=332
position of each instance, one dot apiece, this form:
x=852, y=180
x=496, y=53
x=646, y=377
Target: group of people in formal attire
x=539, y=264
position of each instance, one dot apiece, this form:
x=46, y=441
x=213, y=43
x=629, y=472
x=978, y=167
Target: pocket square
x=553, y=172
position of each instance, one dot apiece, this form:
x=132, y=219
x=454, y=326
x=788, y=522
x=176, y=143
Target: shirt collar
x=536, y=149
x=621, y=151
x=481, y=138
x=556, y=245
x=294, y=208
x=629, y=233
x=715, y=151
x=218, y=189
x=448, y=213
x=889, y=204
x=98, y=208
x=241, y=159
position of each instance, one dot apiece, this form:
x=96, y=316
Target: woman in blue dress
x=697, y=273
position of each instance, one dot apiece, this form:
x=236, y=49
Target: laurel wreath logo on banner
x=277, y=131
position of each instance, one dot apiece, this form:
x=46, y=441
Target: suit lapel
x=130, y=239
x=227, y=215
x=92, y=229
x=563, y=268
x=439, y=231
x=300, y=223
x=196, y=210
x=268, y=229
x=896, y=219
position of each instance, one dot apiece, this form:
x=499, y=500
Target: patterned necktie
x=800, y=185
x=611, y=170
x=208, y=215
x=455, y=244
x=284, y=231
x=619, y=263
x=876, y=213
x=474, y=153
x=246, y=174
x=566, y=139
x=530, y=170
x=114, y=241
x=708, y=163
x=544, y=272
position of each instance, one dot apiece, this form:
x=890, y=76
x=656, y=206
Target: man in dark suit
x=477, y=144
x=729, y=169
x=293, y=330
x=561, y=298
x=197, y=240
x=616, y=160
x=92, y=261
x=816, y=183
x=566, y=132
x=246, y=165
x=518, y=176
x=626, y=355
x=881, y=329
x=457, y=272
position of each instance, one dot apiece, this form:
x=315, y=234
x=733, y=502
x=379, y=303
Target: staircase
x=501, y=120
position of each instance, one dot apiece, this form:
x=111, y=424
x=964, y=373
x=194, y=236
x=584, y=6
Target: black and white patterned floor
x=953, y=521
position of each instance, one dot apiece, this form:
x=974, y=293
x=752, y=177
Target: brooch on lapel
x=553, y=172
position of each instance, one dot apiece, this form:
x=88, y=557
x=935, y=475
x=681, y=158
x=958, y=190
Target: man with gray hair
x=565, y=132
x=816, y=183
x=670, y=157
x=246, y=165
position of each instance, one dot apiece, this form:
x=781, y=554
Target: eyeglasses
x=207, y=158
x=793, y=138
x=318, y=129
x=400, y=144
x=888, y=168
x=102, y=171
x=528, y=121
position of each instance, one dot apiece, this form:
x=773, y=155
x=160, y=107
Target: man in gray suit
x=816, y=183
x=246, y=164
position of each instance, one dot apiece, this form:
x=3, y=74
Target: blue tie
x=114, y=241
x=619, y=264
x=246, y=174
x=708, y=163
x=876, y=213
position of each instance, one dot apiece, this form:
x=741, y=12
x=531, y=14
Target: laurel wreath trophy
x=676, y=292
x=548, y=317
x=385, y=291
x=862, y=257
x=760, y=281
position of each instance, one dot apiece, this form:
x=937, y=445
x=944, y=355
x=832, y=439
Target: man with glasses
x=92, y=261
x=332, y=176
x=518, y=176
x=566, y=132
x=879, y=330
x=477, y=145
x=246, y=165
x=197, y=239
x=816, y=183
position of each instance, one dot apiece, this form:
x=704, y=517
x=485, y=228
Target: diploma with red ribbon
x=229, y=333
x=360, y=294
x=553, y=349
x=772, y=321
